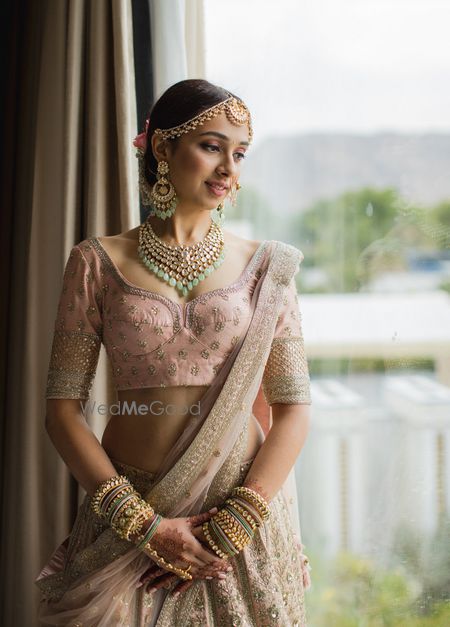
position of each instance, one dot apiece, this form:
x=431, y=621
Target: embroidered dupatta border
x=251, y=359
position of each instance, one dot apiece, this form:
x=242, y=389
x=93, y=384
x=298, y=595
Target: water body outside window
x=350, y=163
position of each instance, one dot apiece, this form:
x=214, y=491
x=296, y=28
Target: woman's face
x=204, y=160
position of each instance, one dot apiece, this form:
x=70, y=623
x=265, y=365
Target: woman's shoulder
x=117, y=245
x=120, y=240
x=240, y=243
x=286, y=252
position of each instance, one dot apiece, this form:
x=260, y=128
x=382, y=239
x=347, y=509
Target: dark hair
x=178, y=104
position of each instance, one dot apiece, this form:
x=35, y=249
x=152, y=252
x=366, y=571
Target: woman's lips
x=217, y=190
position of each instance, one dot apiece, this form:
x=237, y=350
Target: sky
x=333, y=65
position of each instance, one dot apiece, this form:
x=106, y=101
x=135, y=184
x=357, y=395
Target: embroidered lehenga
x=93, y=577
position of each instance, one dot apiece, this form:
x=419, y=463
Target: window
x=350, y=164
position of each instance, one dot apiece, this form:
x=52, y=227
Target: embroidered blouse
x=152, y=341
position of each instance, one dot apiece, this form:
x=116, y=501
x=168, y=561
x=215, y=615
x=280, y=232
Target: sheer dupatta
x=200, y=469
x=197, y=457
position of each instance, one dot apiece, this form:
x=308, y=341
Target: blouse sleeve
x=286, y=375
x=77, y=331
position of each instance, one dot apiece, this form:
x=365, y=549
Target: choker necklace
x=182, y=267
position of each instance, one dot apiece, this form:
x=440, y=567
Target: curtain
x=70, y=116
x=143, y=68
x=178, y=41
x=20, y=26
x=80, y=80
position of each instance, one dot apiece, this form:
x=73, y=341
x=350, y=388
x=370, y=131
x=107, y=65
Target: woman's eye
x=213, y=146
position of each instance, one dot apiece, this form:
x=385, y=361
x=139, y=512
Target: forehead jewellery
x=235, y=110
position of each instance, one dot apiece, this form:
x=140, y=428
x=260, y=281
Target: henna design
x=166, y=580
x=255, y=485
x=169, y=544
x=198, y=519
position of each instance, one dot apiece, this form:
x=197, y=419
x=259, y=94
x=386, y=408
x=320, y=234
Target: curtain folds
x=178, y=41
x=21, y=31
x=143, y=69
x=80, y=79
x=71, y=117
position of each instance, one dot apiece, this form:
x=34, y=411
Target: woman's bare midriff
x=143, y=440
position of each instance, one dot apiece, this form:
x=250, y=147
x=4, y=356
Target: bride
x=185, y=521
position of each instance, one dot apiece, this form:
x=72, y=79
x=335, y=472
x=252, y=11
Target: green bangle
x=150, y=532
x=222, y=538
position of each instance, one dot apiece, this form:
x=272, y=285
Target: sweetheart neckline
x=180, y=306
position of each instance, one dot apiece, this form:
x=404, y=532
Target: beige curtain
x=72, y=174
x=84, y=183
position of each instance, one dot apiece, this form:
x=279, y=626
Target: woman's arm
x=76, y=443
x=280, y=449
x=286, y=386
x=90, y=465
x=275, y=457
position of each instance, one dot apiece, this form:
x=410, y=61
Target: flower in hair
x=140, y=141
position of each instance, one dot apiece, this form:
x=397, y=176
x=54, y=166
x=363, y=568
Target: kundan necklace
x=182, y=267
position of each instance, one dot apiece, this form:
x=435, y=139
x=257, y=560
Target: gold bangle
x=245, y=513
x=233, y=529
x=255, y=498
x=105, y=487
x=211, y=542
x=130, y=516
x=249, y=508
x=127, y=517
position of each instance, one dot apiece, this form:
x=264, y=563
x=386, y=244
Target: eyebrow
x=222, y=136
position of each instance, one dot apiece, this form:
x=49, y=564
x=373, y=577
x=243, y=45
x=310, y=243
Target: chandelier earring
x=163, y=196
x=233, y=193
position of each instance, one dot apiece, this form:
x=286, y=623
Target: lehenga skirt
x=265, y=587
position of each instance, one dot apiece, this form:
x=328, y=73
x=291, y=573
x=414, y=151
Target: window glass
x=350, y=163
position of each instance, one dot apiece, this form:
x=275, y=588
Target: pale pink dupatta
x=105, y=595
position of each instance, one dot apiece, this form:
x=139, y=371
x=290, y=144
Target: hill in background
x=293, y=172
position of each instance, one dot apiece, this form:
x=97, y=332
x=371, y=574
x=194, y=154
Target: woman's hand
x=179, y=541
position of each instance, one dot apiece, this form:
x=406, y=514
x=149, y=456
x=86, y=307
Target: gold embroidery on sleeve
x=73, y=364
x=286, y=375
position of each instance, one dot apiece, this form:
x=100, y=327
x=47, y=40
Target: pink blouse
x=152, y=341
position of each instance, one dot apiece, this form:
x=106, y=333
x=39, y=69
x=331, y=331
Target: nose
x=228, y=166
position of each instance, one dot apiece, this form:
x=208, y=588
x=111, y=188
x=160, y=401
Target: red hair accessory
x=140, y=141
